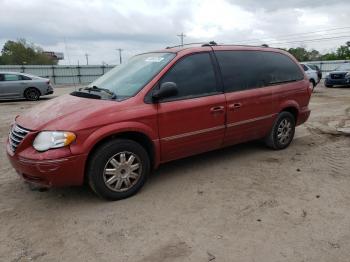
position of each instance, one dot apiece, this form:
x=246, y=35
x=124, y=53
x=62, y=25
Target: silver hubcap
x=122, y=171
x=284, y=131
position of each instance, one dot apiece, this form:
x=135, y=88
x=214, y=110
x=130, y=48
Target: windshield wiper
x=98, y=89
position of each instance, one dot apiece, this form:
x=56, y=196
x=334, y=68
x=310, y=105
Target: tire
x=286, y=121
x=118, y=169
x=32, y=94
x=328, y=85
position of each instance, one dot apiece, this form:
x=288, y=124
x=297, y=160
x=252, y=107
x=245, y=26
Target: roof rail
x=211, y=43
x=200, y=43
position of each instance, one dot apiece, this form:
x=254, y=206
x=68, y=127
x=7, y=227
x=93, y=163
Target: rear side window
x=243, y=70
x=11, y=77
x=194, y=76
x=279, y=68
x=25, y=77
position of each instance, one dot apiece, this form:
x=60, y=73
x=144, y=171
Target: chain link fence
x=61, y=74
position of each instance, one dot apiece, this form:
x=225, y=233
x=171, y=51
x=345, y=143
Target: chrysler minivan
x=159, y=107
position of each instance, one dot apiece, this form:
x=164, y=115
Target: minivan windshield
x=128, y=79
x=343, y=67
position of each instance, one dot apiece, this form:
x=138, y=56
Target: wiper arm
x=98, y=89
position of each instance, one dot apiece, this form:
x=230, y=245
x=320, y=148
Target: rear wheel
x=32, y=94
x=282, y=132
x=118, y=169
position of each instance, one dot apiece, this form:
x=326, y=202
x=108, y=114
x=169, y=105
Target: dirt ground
x=244, y=203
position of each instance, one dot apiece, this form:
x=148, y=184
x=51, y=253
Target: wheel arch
x=135, y=135
x=293, y=110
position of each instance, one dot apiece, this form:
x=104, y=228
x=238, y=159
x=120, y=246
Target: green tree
x=343, y=52
x=300, y=53
x=20, y=52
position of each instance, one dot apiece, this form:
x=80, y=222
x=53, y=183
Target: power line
x=295, y=38
x=311, y=40
x=288, y=35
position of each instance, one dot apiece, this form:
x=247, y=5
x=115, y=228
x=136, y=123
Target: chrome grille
x=16, y=136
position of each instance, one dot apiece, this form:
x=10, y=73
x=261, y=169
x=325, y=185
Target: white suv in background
x=311, y=74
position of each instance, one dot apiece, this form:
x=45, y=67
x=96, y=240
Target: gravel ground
x=244, y=203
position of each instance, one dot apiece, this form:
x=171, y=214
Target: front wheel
x=282, y=132
x=118, y=169
x=328, y=85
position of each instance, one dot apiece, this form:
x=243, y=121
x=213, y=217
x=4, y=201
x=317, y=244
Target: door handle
x=235, y=106
x=217, y=109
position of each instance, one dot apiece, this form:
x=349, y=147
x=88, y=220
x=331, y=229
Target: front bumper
x=65, y=171
x=343, y=81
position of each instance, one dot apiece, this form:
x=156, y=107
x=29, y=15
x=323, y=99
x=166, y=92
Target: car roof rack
x=211, y=43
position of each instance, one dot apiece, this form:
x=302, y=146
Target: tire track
x=337, y=157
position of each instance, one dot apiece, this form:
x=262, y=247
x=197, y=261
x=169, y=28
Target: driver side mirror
x=167, y=89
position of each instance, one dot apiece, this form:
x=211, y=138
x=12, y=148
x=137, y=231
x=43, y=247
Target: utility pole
x=182, y=35
x=120, y=55
x=87, y=58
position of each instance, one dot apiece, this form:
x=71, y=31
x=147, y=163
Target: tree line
x=302, y=54
x=21, y=52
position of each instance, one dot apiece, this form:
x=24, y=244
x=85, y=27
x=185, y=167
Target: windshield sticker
x=154, y=59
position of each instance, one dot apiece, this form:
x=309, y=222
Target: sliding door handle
x=235, y=106
x=217, y=109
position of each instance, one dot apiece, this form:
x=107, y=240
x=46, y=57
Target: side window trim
x=148, y=97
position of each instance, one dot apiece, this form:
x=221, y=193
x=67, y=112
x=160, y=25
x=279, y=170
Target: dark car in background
x=340, y=76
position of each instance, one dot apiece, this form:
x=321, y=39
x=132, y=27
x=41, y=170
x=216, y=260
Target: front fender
x=105, y=131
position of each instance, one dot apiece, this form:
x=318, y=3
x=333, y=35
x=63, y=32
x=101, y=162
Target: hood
x=66, y=112
x=339, y=72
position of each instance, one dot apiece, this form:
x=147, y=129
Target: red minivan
x=158, y=107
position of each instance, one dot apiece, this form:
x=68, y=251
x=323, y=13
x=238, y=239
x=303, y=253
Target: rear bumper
x=49, y=90
x=343, y=81
x=66, y=171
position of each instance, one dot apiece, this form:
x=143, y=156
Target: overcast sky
x=99, y=27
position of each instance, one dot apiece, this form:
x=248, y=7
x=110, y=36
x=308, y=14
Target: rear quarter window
x=243, y=70
x=280, y=68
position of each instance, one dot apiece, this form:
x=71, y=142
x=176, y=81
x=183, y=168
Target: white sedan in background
x=311, y=74
x=15, y=85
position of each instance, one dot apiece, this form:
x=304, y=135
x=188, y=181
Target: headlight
x=46, y=140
